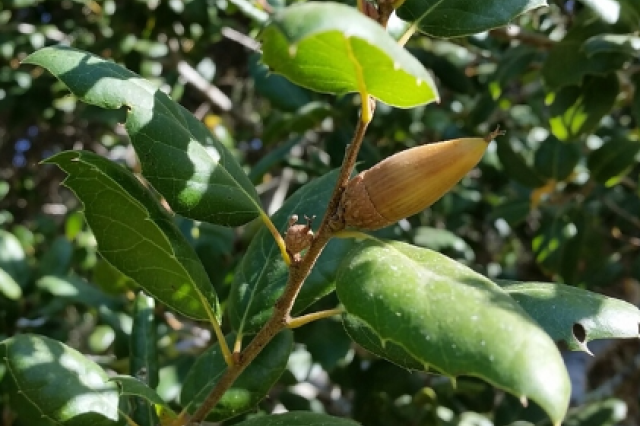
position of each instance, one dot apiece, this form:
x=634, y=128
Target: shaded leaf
x=143, y=358
x=456, y=18
x=183, y=161
x=262, y=274
x=297, y=418
x=573, y=315
x=568, y=62
x=251, y=386
x=555, y=159
x=136, y=235
x=53, y=384
x=437, y=313
x=132, y=386
x=282, y=93
x=516, y=167
x=577, y=111
x=333, y=48
x=613, y=159
x=628, y=44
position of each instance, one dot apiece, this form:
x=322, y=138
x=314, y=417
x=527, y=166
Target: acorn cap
x=409, y=181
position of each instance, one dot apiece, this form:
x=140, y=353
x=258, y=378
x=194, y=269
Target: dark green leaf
x=195, y=173
x=136, y=235
x=613, y=159
x=621, y=43
x=332, y=48
x=438, y=313
x=555, y=159
x=516, y=167
x=278, y=90
x=297, y=418
x=573, y=315
x=12, y=258
x=53, y=384
x=550, y=242
x=577, y=111
x=262, y=274
x=57, y=258
x=250, y=388
x=607, y=412
x=143, y=356
x=132, y=386
x=514, y=212
x=456, y=18
x=568, y=62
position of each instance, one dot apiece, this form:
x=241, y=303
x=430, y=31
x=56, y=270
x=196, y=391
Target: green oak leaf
x=577, y=110
x=50, y=383
x=573, y=315
x=556, y=159
x=143, y=359
x=332, y=48
x=251, y=386
x=456, y=18
x=262, y=274
x=613, y=159
x=423, y=310
x=136, y=235
x=196, y=174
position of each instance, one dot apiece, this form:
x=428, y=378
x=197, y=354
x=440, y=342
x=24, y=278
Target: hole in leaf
x=579, y=332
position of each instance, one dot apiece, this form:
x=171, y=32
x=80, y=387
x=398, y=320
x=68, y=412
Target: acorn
x=410, y=181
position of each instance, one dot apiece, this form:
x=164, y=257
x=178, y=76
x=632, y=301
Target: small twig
x=240, y=38
x=385, y=9
x=193, y=77
x=298, y=272
x=513, y=32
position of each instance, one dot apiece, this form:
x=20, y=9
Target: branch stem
x=298, y=272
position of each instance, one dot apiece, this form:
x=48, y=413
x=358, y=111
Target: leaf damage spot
x=293, y=49
x=579, y=332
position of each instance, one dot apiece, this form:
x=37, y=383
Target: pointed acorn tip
x=497, y=132
x=524, y=401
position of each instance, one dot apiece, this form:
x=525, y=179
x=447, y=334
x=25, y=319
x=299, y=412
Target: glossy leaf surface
x=430, y=311
x=136, y=235
x=12, y=258
x=180, y=157
x=262, y=274
x=573, y=315
x=53, y=384
x=9, y=288
x=250, y=388
x=332, y=48
x=456, y=18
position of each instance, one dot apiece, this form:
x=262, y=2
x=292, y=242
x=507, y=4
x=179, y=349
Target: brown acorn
x=410, y=181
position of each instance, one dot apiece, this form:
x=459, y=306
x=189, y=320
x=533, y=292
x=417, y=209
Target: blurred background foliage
x=556, y=199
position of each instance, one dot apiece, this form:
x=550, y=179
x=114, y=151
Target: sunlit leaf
x=183, y=161
x=332, y=48
x=423, y=310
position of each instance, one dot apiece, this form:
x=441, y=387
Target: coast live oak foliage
x=346, y=255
